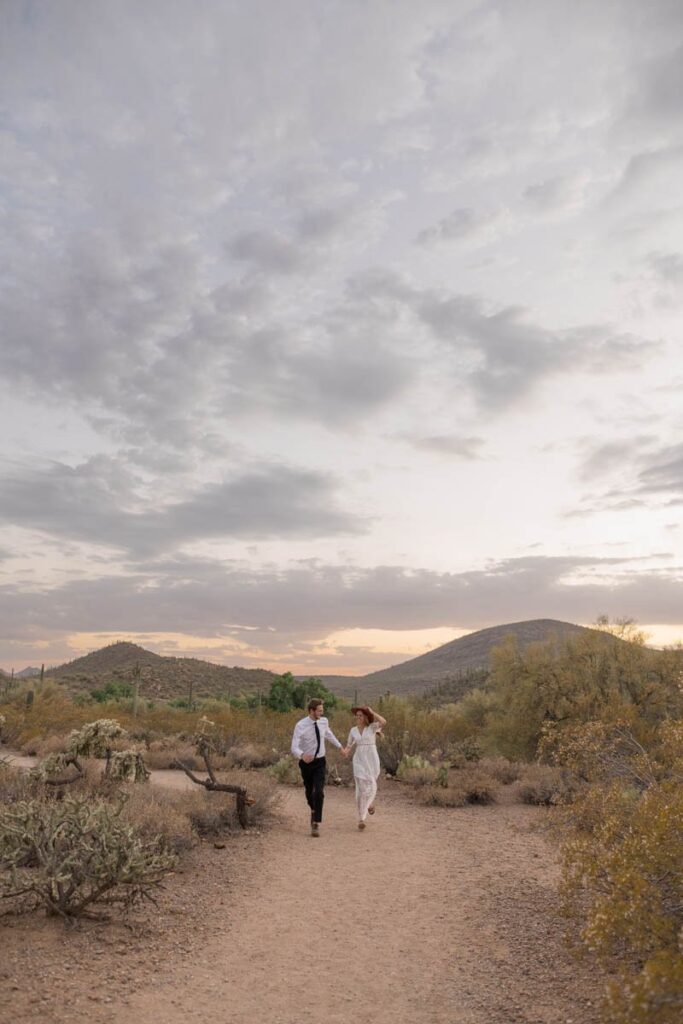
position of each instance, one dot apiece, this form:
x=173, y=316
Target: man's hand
x=307, y=758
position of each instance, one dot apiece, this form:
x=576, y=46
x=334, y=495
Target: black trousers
x=313, y=775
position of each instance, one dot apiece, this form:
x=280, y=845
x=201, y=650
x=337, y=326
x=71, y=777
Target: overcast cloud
x=311, y=290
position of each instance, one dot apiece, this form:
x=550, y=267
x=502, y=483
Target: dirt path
x=431, y=916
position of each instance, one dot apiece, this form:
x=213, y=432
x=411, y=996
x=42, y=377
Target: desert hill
x=453, y=668
x=454, y=664
x=160, y=677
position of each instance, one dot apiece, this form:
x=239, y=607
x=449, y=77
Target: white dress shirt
x=304, y=740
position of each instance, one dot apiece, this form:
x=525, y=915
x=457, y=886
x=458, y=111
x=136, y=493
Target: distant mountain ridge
x=160, y=677
x=453, y=665
x=451, y=661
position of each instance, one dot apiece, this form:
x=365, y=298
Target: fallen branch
x=242, y=801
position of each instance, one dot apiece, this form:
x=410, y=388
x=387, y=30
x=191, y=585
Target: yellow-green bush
x=623, y=876
x=588, y=677
x=623, y=861
x=411, y=729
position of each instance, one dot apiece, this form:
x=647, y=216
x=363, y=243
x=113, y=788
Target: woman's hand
x=377, y=717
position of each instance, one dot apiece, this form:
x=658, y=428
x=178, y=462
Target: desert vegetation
x=81, y=831
x=589, y=725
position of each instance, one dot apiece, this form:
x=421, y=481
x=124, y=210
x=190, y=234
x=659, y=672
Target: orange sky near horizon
x=325, y=658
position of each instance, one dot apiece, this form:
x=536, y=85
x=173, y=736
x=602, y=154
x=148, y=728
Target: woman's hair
x=314, y=703
x=366, y=711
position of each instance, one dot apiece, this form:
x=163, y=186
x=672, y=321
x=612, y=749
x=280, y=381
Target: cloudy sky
x=334, y=330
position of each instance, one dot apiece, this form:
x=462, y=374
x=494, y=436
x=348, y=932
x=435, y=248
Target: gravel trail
x=430, y=916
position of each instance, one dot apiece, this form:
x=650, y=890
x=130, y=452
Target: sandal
x=371, y=810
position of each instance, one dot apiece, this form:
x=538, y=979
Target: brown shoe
x=315, y=830
x=371, y=810
x=361, y=825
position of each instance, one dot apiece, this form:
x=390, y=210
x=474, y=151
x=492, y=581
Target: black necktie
x=317, y=740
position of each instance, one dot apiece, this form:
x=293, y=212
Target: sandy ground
x=430, y=916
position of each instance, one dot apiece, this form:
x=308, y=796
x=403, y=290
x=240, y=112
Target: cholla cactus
x=127, y=766
x=51, y=766
x=95, y=737
x=98, y=857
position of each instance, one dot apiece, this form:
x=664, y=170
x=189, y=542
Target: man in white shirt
x=308, y=744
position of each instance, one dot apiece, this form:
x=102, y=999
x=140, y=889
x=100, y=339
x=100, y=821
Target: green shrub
x=416, y=770
x=286, y=772
x=113, y=691
x=411, y=729
x=70, y=854
x=464, y=752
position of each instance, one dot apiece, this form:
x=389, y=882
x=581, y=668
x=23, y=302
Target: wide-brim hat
x=366, y=711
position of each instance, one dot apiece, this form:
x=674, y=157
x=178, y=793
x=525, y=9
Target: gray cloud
x=452, y=445
x=613, y=457
x=501, y=355
x=102, y=503
x=666, y=269
x=664, y=473
x=463, y=224
x=306, y=603
x=559, y=193
x=512, y=355
x=654, y=170
x=268, y=251
x=210, y=218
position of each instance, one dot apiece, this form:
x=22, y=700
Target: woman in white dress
x=362, y=742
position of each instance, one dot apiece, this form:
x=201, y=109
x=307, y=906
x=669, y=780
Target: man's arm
x=296, y=741
x=329, y=735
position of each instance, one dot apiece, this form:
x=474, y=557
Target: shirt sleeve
x=329, y=735
x=350, y=739
x=296, y=741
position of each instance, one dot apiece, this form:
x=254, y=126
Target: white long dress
x=365, y=766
